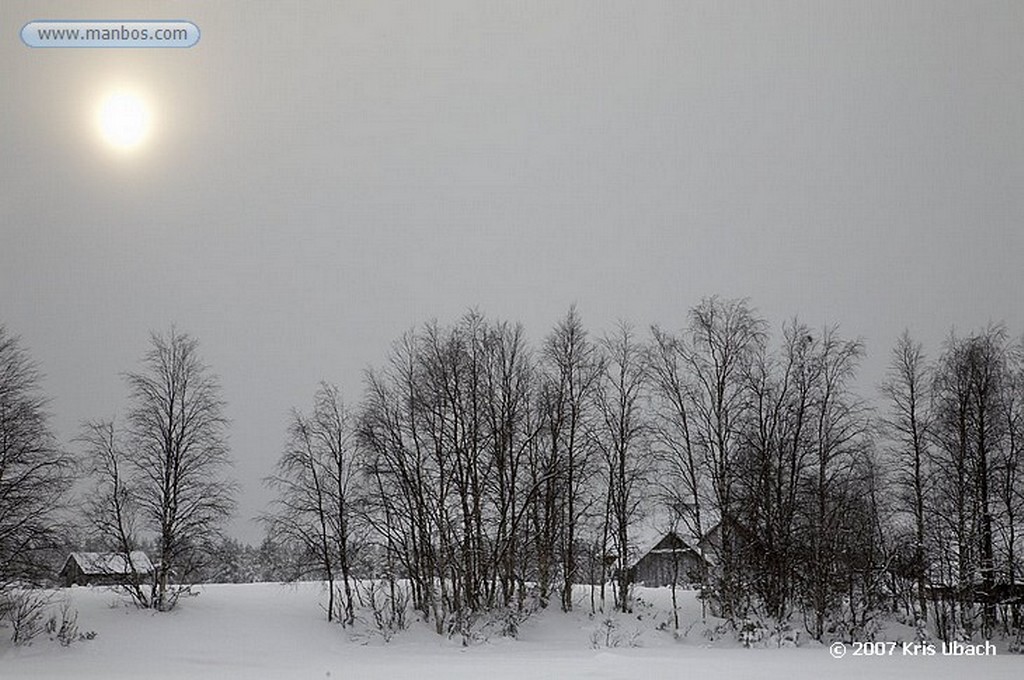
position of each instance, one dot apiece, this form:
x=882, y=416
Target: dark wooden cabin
x=105, y=569
x=670, y=560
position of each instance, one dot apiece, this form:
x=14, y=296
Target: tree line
x=480, y=472
x=485, y=471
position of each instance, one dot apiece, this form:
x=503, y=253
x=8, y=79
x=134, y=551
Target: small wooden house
x=671, y=560
x=741, y=539
x=106, y=569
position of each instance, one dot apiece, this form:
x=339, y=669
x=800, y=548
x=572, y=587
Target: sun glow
x=124, y=120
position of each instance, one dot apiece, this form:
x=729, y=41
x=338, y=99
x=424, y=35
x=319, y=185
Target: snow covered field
x=274, y=631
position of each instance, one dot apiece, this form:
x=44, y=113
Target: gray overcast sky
x=323, y=176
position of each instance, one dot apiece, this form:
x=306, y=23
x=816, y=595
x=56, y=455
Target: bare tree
x=1010, y=474
x=724, y=337
x=317, y=480
x=684, y=486
x=406, y=484
x=449, y=432
x=907, y=388
x=111, y=508
x=841, y=429
x=973, y=435
x=776, y=452
x=510, y=432
x=571, y=368
x=34, y=472
x=179, y=454
x=624, y=439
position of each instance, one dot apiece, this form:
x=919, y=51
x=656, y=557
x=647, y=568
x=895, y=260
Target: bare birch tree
x=318, y=483
x=776, y=451
x=907, y=389
x=1010, y=478
x=570, y=367
x=34, y=472
x=724, y=337
x=111, y=509
x=837, y=474
x=624, y=439
x=973, y=432
x=179, y=454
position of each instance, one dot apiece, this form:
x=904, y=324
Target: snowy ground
x=273, y=631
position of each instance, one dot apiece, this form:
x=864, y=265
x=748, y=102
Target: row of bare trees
x=483, y=469
x=956, y=445
x=833, y=509
x=450, y=435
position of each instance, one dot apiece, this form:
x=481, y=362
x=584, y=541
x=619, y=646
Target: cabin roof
x=93, y=563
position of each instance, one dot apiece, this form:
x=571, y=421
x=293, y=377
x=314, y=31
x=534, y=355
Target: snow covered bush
x=1016, y=645
x=62, y=627
x=24, y=611
x=785, y=635
x=509, y=620
x=751, y=633
x=387, y=603
x=755, y=632
x=921, y=633
x=466, y=627
x=609, y=633
x=30, y=614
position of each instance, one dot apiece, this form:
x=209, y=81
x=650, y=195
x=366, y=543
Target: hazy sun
x=124, y=120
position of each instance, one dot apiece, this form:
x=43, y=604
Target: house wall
x=657, y=569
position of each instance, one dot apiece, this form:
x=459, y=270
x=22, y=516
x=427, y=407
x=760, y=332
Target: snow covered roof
x=647, y=534
x=110, y=563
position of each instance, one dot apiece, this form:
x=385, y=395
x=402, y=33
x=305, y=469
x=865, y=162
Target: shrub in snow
x=464, y=626
x=509, y=620
x=604, y=634
x=1016, y=646
x=610, y=634
x=62, y=627
x=503, y=621
x=716, y=632
x=784, y=635
x=751, y=633
x=387, y=603
x=25, y=611
x=755, y=632
x=921, y=633
x=677, y=633
x=849, y=628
